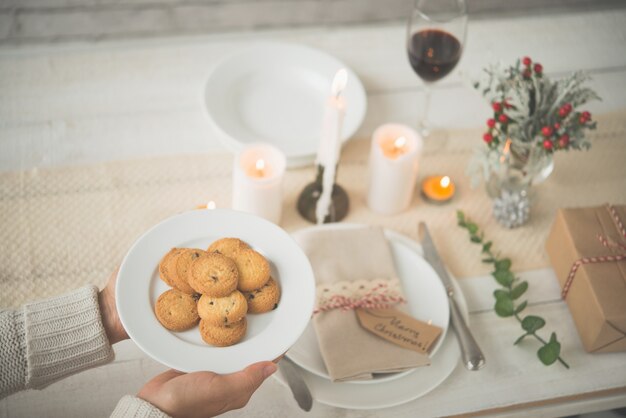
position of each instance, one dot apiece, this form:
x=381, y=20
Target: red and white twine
x=599, y=259
x=374, y=299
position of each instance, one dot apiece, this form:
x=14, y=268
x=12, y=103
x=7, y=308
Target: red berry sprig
x=565, y=110
x=553, y=130
x=547, y=144
x=528, y=71
x=499, y=117
x=584, y=117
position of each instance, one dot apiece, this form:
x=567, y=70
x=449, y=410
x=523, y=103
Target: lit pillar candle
x=393, y=164
x=257, y=181
x=330, y=141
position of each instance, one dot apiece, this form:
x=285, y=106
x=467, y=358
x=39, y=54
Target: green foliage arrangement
x=512, y=289
x=534, y=116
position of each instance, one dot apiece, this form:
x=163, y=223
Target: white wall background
x=43, y=21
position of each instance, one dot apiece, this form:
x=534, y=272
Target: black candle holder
x=307, y=202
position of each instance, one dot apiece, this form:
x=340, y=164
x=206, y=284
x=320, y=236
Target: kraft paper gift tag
x=347, y=262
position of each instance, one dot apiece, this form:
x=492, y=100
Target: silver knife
x=296, y=383
x=473, y=358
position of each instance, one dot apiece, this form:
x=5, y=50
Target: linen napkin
x=352, y=262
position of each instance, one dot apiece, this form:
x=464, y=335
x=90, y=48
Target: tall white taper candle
x=330, y=142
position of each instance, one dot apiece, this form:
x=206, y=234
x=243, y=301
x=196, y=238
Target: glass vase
x=511, y=178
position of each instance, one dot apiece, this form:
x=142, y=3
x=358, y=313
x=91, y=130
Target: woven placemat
x=64, y=227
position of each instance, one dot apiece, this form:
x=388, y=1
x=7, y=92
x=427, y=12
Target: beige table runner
x=63, y=227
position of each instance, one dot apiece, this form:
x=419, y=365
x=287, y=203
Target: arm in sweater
x=45, y=341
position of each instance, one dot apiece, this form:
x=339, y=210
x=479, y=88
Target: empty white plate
x=275, y=93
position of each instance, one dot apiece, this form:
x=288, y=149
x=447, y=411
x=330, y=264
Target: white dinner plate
x=275, y=93
x=268, y=336
x=427, y=301
x=390, y=393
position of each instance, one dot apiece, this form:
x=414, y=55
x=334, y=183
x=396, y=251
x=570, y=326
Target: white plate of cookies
x=215, y=290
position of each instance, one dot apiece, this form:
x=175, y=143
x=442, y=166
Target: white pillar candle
x=330, y=141
x=393, y=165
x=258, y=173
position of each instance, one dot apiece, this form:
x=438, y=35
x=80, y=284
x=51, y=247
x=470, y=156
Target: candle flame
x=339, y=82
x=399, y=143
x=211, y=205
x=260, y=164
x=445, y=181
x=505, y=150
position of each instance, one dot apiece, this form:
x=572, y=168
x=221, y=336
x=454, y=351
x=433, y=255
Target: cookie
x=176, y=311
x=183, y=262
x=228, y=246
x=264, y=299
x=223, y=311
x=167, y=266
x=254, y=270
x=223, y=336
x=213, y=274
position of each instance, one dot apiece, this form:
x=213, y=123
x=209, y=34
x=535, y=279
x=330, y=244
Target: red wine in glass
x=435, y=37
x=433, y=53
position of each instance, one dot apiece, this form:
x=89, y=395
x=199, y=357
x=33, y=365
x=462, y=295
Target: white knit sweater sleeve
x=133, y=407
x=47, y=340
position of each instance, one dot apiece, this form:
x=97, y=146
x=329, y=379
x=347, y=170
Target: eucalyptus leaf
x=519, y=290
x=504, y=307
x=521, y=307
x=460, y=217
x=504, y=264
x=553, y=337
x=504, y=277
x=549, y=353
x=532, y=323
x=519, y=340
x=512, y=288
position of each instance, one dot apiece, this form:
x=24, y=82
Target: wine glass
x=435, y=37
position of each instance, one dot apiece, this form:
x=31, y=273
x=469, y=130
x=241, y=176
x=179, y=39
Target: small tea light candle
x=258, y=173
x=210, y=205
x=393, y=165
x=438, y=189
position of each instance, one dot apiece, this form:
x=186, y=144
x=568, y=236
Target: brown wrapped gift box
x=597, y=296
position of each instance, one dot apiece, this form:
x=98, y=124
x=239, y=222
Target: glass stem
x=423, y=125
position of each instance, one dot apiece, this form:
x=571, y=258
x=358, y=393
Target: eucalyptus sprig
x=512, y=289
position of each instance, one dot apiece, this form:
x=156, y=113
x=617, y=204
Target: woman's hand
x=204, y=394
x=108, y=310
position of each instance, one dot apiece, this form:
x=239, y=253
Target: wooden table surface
x=82, y=103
